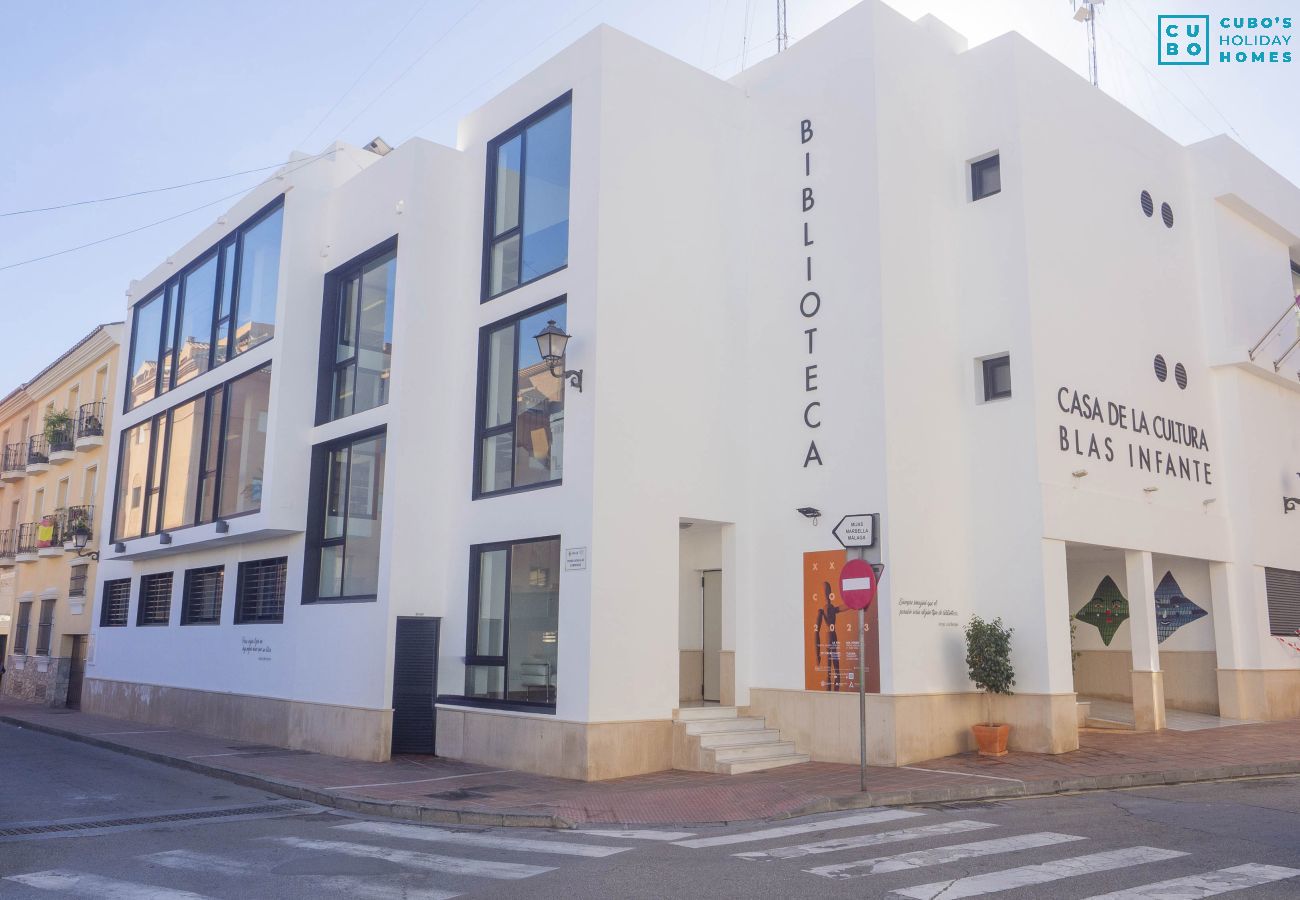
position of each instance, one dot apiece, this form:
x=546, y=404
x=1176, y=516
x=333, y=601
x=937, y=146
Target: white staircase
x=719, y=739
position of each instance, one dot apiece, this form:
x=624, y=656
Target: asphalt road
x=76, y=821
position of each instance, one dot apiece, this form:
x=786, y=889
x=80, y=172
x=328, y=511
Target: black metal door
x=415, y=684
x=76, y=671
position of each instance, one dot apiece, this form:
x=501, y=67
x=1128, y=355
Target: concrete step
x=1083, y=712
x=1094, y=722
x=693, y=713
x=719, y=739
x=753, y=751
x=760, y=763
x=714, y=726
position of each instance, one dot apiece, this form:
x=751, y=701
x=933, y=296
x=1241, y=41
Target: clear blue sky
x=107, y=98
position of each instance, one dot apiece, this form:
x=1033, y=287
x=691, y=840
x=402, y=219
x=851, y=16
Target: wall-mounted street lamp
x=79, y=541
x=810, y=512
x=551, y=342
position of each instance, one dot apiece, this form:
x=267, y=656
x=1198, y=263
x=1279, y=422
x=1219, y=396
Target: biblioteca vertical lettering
x=810, y=304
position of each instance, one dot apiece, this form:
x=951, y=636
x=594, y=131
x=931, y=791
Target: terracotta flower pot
x=991, y=739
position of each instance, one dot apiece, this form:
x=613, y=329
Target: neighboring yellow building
x=53, y=452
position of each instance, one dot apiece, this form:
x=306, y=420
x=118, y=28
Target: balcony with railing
x=50, y=533
x=59, y=439
x=25, y=547
x=13, y=461
x=90, y=425
x=8, y=547
x=38, y=454
x=77, y=527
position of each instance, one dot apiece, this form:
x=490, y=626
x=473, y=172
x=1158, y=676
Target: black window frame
x=78, y=575
x=146, y=583
x=472, y=657
x=490, y=198
x=988, y=369
x=23, y=627
x=151, y=517
x=328, y=366
x=190, y=588
x=45, y=627
x=316, y=502
x=171, y=294
x=109, y=604
x=481, y=432
x=978, y=168
x=246, y=570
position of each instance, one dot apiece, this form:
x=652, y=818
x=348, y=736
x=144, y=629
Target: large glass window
x=343, y=562
x=512, y=649
x=521, y=419
x=195, y=462
x=358, y=328
x=215, y=308
x=528, y=200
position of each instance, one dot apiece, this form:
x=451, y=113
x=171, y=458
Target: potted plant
x=58, y=429
x=988, y=660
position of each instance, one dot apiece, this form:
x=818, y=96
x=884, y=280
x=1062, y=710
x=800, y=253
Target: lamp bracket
x=1290, y=503
x=574, y=375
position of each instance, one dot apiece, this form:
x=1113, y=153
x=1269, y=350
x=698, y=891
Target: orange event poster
x=830, y=628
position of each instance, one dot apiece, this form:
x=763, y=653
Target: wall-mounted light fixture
x=222, y=526
x=119, y=547
x=79, y=541
x=810, y=512
x=551, y=342
x=1150, y=490
x=1079, y=473
x=164, y=538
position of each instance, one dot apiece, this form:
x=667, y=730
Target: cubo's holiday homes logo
x=1188, y=40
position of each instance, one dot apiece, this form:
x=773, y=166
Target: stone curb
x=432, y=815
x=386, y=809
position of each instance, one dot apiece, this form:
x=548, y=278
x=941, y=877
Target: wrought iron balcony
x=90, y=420
x=77, y=520
x=59, y=440
x=38, y=451
x=8, y=546
x=26, y=543
x=13, y=459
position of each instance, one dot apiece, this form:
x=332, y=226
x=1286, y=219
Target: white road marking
x=1207, y=885
x=867, y=818
x=348, y=787
x=368, y=888
x=939, y=855
x=867, y=840
x=967, y=774
x=480, y=839
x=430, y=862
x=201, y=862
x=641, y=835
x=1008, y=879
x=110, y=733
x=77, y=884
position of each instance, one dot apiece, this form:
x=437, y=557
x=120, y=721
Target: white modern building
x=880, y=273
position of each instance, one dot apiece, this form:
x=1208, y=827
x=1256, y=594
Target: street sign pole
x=862, y=700
x=859, y=585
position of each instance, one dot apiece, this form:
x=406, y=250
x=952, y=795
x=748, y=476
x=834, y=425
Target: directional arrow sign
x=856, y=531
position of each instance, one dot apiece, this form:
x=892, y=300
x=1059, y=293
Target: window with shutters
x=1283, y=588
x=45, y=628
x=260, y=596
x=201, y=600
x=77, y=581
x=155, y=599
x=113, y=612
x=20, y=630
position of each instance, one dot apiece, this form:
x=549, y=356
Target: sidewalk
x=427, y=789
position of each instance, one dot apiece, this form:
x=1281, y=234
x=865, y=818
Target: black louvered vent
x=1180, y=376
x=415, y=661
x=1167, y=213
x=155, y=599
x=1148, y=205
x=117, y=603
x=1162, y=370
x=1283, y=587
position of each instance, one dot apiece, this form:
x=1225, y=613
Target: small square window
x=997, y=378
x=260, y=591
x=985, y=177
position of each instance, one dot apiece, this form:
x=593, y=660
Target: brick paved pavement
x=431, y=789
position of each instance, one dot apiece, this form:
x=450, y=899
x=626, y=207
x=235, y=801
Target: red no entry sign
x=858, y=584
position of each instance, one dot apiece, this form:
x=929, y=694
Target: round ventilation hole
x=1167, y=213
x=1148, y=205
x=1180, y=376
x=1162, y=370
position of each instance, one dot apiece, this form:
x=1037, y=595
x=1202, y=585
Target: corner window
x=357, y=335
x=45, y=628
x=155, y=599
x=527, y=215
x=196, y=462
x=216, y=308
x=21, y=629
x=521, y=406
x=997, y=378
x=344, y=522
x=114, y=611
x=201, y=599
x=259, y=596
x=985, y=177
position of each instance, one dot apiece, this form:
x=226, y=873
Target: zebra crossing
x=998, y=877
x=413, y=876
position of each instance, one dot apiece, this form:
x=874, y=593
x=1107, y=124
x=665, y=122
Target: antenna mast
x=1086, y=11
x=782, y=31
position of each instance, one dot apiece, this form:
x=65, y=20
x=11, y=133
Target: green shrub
x=988, y=658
